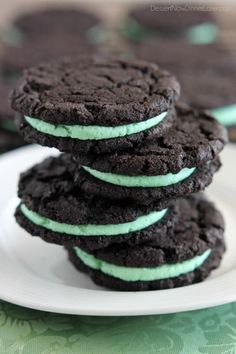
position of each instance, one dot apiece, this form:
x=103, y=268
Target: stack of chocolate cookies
x=121, y=197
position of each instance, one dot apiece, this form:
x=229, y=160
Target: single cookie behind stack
x=46, y=34
x=199, y=70
x=190, y=22
x=35, y=36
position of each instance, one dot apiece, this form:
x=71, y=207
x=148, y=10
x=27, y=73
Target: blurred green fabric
x=25, y=331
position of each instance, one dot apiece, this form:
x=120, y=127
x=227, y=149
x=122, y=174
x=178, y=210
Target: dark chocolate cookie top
x=179, y=55
x=55, y=19
x=195, y=138
x=199, y=229
x=48, y=188
x=208, y=90
x=207, y=74
x=171, y=18
x=89, y=90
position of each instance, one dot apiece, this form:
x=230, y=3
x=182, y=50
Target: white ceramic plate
x=38, y=275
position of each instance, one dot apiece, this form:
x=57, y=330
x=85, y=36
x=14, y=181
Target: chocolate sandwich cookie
x=188, y=22
x=89, y=104
x=180, y=163
x=71, y=20
x=9, y=138
x=215, y=93
x=48, y=34
x=199, y=73
x=187, y=255
x=53, y=207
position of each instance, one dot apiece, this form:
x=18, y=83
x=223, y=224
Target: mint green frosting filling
x=141, y=181
x=205, y=33
x=96, y=34
x=133, y=30
x=93, y=229
x=225, y=115
x=13, y=37
x=165, y=271
x=93, y=132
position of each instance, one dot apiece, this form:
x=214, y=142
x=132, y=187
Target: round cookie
x=9, y=138
x=199, y=73
x=215, y=93
x=188, y=22
x=187, y=255
x=16, y=59
x=180, y=163
x=72, y=20
x=53, y=207
x=63, y=31
x=179, y=55
x=89, y=104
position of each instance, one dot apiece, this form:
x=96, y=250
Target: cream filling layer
x=226, y=115
x=138, y=224
x=141, y=181
x=165, y=271
x=93, y=132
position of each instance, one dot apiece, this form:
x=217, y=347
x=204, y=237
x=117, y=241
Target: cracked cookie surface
x=200, y=228
x=194, y=139
x=95, y=92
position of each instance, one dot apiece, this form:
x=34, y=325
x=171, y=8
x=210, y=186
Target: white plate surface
x=38, y=275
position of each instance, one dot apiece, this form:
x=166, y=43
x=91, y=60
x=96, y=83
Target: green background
x=26, y=331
